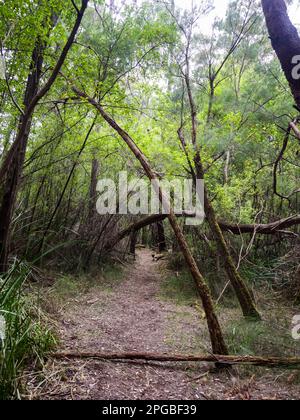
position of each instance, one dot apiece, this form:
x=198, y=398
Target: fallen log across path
x=271, y=362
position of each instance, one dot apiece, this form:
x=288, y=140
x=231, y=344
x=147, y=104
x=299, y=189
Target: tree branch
x=236, y=229
x=225, y=360
x=43, y=91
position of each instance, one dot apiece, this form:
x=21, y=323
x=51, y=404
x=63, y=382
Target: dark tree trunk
x=93, y=189
x=133, y=241
x=161, y=238
x=14, y=172
x=285, y=40
x=12, y=167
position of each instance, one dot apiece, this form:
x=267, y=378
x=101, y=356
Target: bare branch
x=75, y=7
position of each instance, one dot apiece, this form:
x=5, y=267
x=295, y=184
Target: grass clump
x=69, y=287
x=260, y=338
x=179, y=288
x=111, y=275
x=23, y=338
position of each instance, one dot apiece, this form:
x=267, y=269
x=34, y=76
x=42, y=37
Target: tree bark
x=133, y=241
x=93, y=189
x=272, y=362
x=242, y=291
x=285, y=41
x=226, y=168
x=161, y=238
x=216, y=335
x=9, y=189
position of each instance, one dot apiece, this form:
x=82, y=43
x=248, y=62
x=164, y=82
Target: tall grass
x=25, y=338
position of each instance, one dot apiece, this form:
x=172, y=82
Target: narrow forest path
x=131, y=316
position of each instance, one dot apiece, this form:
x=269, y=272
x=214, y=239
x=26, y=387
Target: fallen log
x=263, y=229
x=234, y=228
x=222, y=360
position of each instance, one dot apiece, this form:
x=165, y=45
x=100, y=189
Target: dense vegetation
x=77, y=76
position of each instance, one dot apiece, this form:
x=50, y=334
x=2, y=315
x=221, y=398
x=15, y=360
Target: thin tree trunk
x=70, y=176
x=216, y=335
x=93, y=189
x=90, y=252
x=243, y=293
x=162, y=245
x=226, y=168
x=133, y=241
x=211, y=97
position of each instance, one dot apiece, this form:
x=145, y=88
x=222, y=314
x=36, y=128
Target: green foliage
x=112, y=273
x=26, y=339
x=70, y=286
x=131, y=58
x=268, y=338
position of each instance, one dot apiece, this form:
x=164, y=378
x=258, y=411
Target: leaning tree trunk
x=216, y=335
x=285, y=41
x=242, y=291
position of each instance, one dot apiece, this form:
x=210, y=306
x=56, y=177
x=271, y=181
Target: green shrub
x=260, y=338
x=25, y=338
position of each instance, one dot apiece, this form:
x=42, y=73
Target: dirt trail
x=131, y=317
